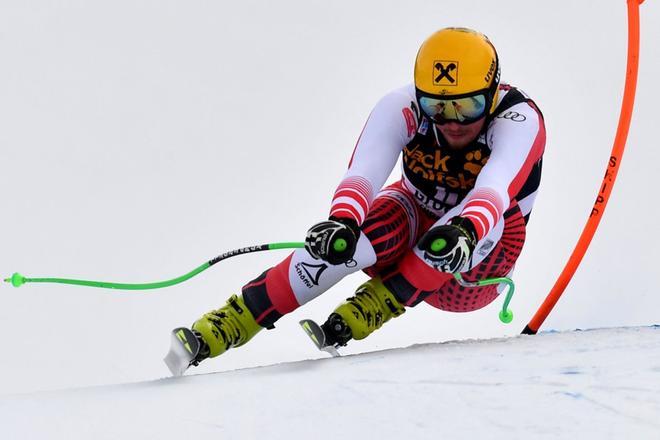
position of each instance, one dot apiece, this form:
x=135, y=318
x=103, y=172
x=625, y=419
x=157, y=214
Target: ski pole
x=18, y=280
x=505, y=315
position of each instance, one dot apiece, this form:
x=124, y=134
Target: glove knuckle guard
x=460, y=243
x=321, y=237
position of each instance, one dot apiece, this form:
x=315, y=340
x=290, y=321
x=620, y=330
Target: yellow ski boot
x=219, y=330
x=360, y=315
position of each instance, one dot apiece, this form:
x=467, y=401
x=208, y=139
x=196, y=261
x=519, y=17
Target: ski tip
x=174, y=365
x=305, y=323
x=314, y=332
x=183, y=349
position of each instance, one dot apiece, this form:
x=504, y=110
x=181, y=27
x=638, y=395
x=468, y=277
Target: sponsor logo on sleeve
x=513, y=116
x=424, y=127
x=310, y=274
x=411, y=122
x=485, y=247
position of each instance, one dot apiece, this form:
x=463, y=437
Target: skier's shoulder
x=404, y=92
x=516, y=121
x=516, y=115
x=512, y=100
x=397, y=109
x=399, y=98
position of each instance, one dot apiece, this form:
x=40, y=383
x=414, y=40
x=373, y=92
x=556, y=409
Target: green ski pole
x=505, y=315
x=18, y=280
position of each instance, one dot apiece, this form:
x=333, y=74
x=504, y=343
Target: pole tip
x=528, y=331
x=16, y=280
x=506, y=316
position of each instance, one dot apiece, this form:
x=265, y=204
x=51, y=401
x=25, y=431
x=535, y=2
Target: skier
x=472, y=150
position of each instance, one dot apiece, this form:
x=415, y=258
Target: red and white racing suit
x=493, y=182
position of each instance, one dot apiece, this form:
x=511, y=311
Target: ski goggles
x=464, y=110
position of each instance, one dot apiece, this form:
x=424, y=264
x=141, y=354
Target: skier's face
x=461, y=135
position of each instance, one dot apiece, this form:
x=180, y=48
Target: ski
x=315, y=333
x=183, y=350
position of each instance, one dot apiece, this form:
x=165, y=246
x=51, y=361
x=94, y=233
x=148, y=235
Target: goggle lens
x=463, y=110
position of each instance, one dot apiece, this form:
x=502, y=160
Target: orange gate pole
x=610, y=174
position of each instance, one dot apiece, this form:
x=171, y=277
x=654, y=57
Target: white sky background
x=140, y=139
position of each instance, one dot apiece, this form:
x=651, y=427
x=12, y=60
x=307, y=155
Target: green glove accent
x=340, y=245
x=438, y=244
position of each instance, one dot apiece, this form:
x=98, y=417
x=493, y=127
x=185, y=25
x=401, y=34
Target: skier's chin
x=457, y=142
x=459, y=136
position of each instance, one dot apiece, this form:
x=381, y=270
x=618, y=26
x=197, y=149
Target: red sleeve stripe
x=352, y=199
x=486, y=198
x=346, y=203
x=358, y=183
x=485, y=193
x=484, y=208
x=534, y=155
x=479, y=225
x=344, y=210
x=352, y=194
x=486, y=216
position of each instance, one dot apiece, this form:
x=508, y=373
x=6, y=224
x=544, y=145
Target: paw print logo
x=475, y=161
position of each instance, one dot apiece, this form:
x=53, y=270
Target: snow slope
x=596, y=384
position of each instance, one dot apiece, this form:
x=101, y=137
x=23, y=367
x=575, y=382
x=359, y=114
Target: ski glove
x=448, y=248
x=333, y=240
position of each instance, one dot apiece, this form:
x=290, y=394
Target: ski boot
x=211, y=335
x=360, y=315
x=219, y=330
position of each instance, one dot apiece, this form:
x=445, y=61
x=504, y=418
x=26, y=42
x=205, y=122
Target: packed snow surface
x=593, y=384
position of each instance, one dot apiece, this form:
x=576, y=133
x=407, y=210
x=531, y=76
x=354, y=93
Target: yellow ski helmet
x=457, y=74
